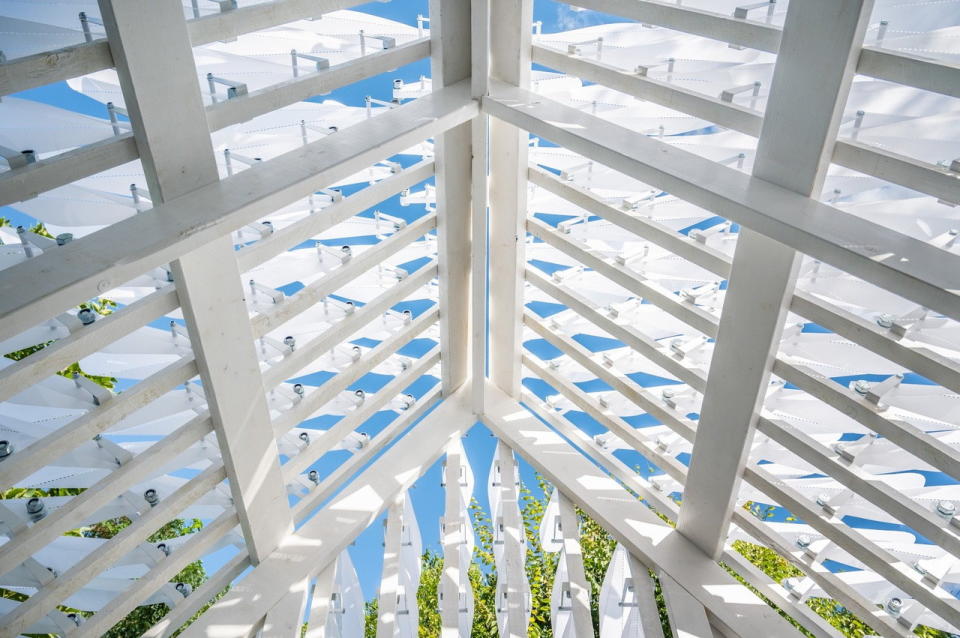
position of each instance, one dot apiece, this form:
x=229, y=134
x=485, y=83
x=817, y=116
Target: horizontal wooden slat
x=240, y=109
x=48, y=449
x=64, y=168
x=58, y=355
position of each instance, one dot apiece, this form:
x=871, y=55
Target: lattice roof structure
x=697, y=267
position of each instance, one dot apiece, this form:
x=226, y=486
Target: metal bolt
x=314, y=477
x=86, y=316
x=823, y=499
x=290, y=342
x=667, y=393
x=77, y=619
x=6, y=449
x=803, y=541
x=151, y=497
x=861, y=387
x=305, y=437
x=163, y=548
x=894, y=605
x=185, y=589
x=36, y=509
x=298, y=389
x=885, y=320
x=64, y=239
x=360, y=394
x=946, y=509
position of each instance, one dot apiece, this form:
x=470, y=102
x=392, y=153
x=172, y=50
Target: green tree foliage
x=597, y=546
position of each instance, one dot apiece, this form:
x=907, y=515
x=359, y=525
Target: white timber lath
x=694, y=265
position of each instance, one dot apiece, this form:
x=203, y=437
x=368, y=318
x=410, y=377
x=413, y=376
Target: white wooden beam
x=321, y=539
x=118, y=253
x=871, y=488
x=177, y=156
x=453, y=530
x=913, y=70
x=57, y=65
x=912, y=439
x=227, y=25
x=812, y=77
x=40, y=176
x=829, y=523
x=314, y=293
x=480, y=69
x=390, y=576
x=509, y=63
x=285, y=619
x=320, y=601
x=878, y=162
x=511, y=571
x=688, y=619
x=695, y=316
x=276, y=96
x=573, y=555
x=43, y=363
x=709, y=24
x=449, y=64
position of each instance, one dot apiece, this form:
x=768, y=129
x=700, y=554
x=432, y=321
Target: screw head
x=6, y=449
x=885, y=320
x=86, y=316
x=803, y=541
x=36, y=509
x=894, y=606
x=947, y=509
x=861, y=387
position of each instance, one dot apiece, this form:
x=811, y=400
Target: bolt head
x=946, y=509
